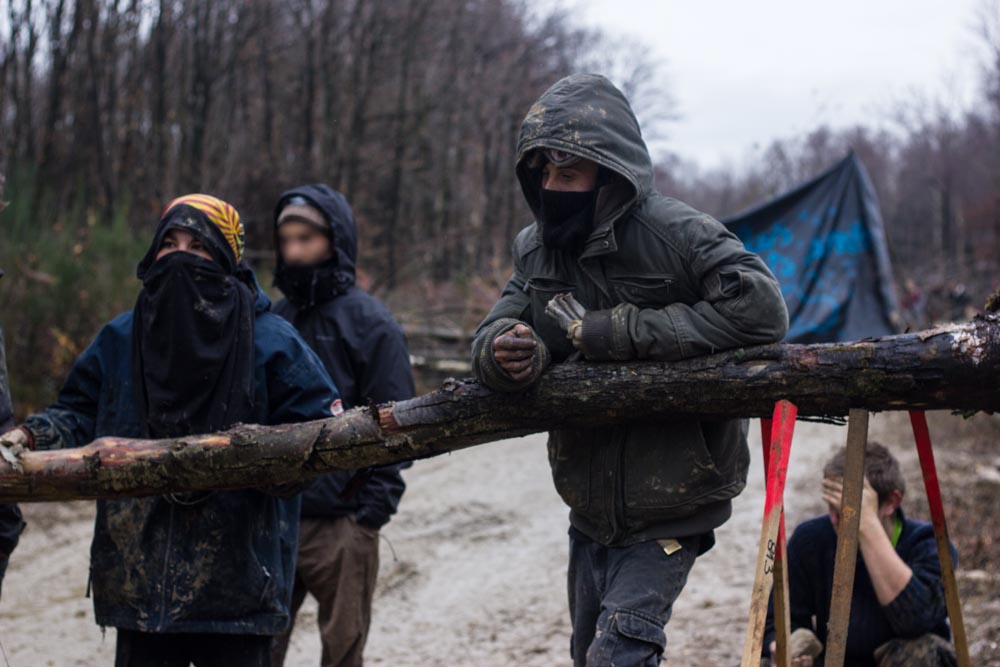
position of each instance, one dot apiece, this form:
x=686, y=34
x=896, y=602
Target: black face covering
x=311, y=284
x=192, y=336
x=567, y=218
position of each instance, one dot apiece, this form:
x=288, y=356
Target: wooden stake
x=777, y=470
x=922, y=435
x=847, y=538
x=782, y=614
x=782, y=610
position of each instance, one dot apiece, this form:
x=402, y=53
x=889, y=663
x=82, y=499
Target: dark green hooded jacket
x=661, y=281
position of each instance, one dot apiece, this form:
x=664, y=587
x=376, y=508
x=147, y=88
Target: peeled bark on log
x=954, y=367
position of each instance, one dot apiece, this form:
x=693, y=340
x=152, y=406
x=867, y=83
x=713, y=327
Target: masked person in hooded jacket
x=11, y=522
x=192, y=578
x=649, y=278
x=365, y=352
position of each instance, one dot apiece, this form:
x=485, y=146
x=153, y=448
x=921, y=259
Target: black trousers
x=620, y=599
x=146, y=649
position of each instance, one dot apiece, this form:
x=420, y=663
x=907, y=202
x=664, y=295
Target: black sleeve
x=920, y=607
x=11, y=525
x=6, y=408
x=513, y=308
x=70, y=421
x=386, y=376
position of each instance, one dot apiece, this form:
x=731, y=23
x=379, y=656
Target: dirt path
x=479, y=580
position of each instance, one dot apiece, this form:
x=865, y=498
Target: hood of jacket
x=585, y=114
x=343, y=230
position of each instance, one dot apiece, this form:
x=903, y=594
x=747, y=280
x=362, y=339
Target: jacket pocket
x=645, y=291
x=638, y=626
x=541, y=290
x=217, y=569
x=668, y=468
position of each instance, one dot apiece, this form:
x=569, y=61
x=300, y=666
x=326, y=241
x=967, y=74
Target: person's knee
x=627, y=637
x=929, y=650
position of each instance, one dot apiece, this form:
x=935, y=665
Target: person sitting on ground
x=898, y=615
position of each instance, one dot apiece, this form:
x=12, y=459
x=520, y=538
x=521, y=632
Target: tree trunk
x=954, y=367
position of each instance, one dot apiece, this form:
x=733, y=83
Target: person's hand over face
x=833, y=494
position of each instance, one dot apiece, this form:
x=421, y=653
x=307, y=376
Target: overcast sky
x=744, y=73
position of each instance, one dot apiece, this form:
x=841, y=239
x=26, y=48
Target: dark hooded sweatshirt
x=662, y=281
x=363, y=349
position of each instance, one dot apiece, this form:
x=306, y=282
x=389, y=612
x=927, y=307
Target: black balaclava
x=193, y=334
x=308, y=285
x=567, y=218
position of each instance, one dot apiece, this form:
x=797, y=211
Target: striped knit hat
x=221, y=214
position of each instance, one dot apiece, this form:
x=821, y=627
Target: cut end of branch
x=387, y=420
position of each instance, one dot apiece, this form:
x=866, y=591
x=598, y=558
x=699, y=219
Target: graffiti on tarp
x=837, y=251
x=818, y=241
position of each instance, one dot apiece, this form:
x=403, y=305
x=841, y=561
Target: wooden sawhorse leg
x=771, y=554
x=782, y=617
x=847, y=538
x=922, y=435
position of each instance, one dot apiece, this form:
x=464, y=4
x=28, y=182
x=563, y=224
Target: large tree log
x=953, y=368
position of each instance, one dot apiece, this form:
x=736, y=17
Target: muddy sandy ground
x=480, y=560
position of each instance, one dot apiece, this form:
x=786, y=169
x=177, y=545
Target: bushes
x=67, y=273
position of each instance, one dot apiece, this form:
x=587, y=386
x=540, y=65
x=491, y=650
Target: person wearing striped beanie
x=199, y=577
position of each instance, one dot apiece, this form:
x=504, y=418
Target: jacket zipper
x=612, y=464
x=312, y=289
x=620, y=487
x=614, y=496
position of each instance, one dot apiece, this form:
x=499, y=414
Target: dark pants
x=338, y=564
x=620, y=599
x=144, y=649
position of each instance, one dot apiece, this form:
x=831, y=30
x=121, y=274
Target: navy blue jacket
x=365, y=352
x=11, y=523
x=224, y=565
x=919, y=609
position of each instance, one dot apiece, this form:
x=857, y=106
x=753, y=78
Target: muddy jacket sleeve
x=741, y=304
x=513, y=308
x=70, y=421
x=298, y=387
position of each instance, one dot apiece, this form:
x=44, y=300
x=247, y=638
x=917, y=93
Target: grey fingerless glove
x=489, y=372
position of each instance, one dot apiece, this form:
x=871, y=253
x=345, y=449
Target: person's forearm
x=888, y=572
